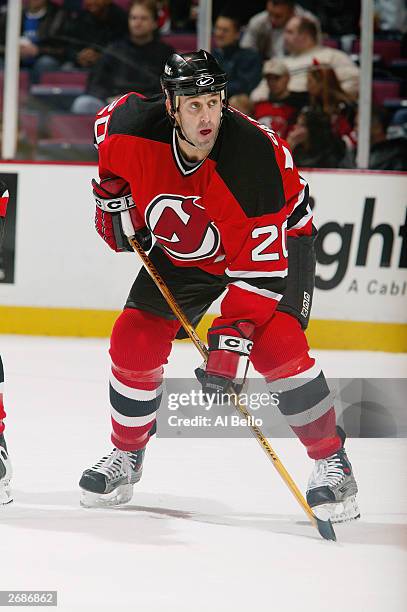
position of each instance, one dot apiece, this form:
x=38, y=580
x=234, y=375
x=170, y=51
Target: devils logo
x=182, y=227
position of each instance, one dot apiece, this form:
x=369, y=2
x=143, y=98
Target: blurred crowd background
x=294, y=66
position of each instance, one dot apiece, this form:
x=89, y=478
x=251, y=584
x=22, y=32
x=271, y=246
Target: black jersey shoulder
x=247, y=164
x=142, y=117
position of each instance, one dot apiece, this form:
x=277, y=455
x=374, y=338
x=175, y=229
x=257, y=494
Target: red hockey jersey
x=229, y=214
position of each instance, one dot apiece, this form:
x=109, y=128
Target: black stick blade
x=325, y=529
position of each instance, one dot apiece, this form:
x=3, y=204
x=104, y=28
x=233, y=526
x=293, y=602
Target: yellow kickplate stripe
x=322, y=334
x=56, y=321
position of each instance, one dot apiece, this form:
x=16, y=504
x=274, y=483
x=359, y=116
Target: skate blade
x=341, y=512
x=6, y=496
x=121, y=495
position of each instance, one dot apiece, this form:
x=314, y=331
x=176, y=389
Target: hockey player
x=5, y=465
x=225, y=203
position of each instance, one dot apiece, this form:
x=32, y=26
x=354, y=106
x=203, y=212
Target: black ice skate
x=332, y=487
x=5, y=473
x=110, y=481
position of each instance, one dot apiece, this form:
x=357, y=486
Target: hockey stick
x=324, y=526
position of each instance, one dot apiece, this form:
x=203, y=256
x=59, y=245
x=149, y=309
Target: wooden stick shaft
x=156, y=276
x=257, y=433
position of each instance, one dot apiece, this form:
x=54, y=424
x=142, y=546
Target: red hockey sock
x=140, y=346
x=280, y=353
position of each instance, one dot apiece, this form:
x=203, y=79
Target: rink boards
x=58, y=277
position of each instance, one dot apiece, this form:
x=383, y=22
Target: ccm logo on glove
x=238, y=345
x=115, y=204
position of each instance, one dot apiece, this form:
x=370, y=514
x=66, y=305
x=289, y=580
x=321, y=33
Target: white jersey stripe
x=256, y=274
x=302, y=221
x=264, y=292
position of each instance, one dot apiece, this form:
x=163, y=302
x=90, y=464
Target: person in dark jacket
x=41, y=48
x=243, y=66
x=386, y=153
x=94, y=28
x=132, y=64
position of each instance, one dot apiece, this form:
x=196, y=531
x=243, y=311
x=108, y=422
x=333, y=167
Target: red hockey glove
x=4, y=195
x=113, y=197
x=229, y=350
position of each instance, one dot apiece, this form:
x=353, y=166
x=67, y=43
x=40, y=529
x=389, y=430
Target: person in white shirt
x=302, y=43
x=265, y=31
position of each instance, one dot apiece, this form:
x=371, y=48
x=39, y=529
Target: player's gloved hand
x=113, y=197
x=229, y=351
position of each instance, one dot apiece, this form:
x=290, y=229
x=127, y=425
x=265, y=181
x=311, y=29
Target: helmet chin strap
x=181, y=134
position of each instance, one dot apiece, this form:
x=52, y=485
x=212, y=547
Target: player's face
x=199, y=118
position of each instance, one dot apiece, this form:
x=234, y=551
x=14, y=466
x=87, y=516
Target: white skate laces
x=328, y=472
x=118, y=463
x=110, y=481
x=332, y=489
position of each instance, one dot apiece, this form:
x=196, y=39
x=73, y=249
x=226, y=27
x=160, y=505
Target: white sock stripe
x=312, y=372
x=312, y=414
x=263, y=292
x=294, y=382
x=136, y=394
x=2, y=387
x=132, y=421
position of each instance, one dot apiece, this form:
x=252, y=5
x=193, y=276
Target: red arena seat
x=28, y=125
x=124, y=4
x=387, y=49
x=24, y=84
x=331, y=42
x=183, y=43
x=63, y=79
x=69, y=128
x=383, y=90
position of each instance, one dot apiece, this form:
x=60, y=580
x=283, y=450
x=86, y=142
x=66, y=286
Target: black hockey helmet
x=192, y=74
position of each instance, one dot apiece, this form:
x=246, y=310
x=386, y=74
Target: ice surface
x=211, y=526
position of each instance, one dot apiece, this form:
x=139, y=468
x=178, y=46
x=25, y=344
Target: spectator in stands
x=265, y=31
x=180, y=11
x=99, y=24
x=281, y=107
x=243, y=66
x=339, y=18
x=326, y=94
x=391, y=15
x=385, y=153
x=40, y=46
x=132, y=64
x=314, y=145
x=301, y=39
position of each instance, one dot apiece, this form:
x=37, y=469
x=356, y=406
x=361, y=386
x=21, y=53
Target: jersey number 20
x=272, y=232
